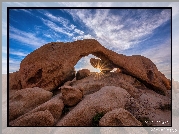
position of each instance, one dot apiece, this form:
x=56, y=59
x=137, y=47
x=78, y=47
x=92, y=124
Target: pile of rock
x=136, y=91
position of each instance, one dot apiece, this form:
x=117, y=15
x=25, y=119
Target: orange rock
x=14, y=81
x=25, y=100
x=82, y=74
x=53, y=64
x=71, y=96
x=40, y=118
x=54, y=106
x=119, y=117
x=104, y=100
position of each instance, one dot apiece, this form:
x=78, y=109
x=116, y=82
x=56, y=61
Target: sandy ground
x=87, y=130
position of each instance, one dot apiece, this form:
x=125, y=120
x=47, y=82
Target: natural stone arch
x=56, y=63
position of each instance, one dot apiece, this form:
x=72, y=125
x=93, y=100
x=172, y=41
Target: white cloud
x=24, y=10
x=78, y=31
x=25, y=37
x=110, y=31
x=68, y=28
x=161, y=57
x=59, y=19
x=18, y=53
x=14, y=65
x=55, y=27
x=48, y=35
x=81, y=37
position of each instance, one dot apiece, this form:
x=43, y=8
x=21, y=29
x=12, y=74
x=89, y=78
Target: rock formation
x=40, y=118
x=15, y=82
x=119, y=117
x=51, y=65
x=104, y=100
x=45, y=92
x=54, y=107
x=71, y=96
x=25, y=100
x=82, y=74
x=104, y=66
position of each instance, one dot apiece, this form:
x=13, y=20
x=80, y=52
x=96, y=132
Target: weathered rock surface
x=25, y=100
x=82, y=74
x=14, y=81
x=144, y=103
x=119, y=117
x=40, y=118
x=94, y=83
x=71, y=96
x=104, y=100
x=54, y=106
x=104, y=66
x=52, y=64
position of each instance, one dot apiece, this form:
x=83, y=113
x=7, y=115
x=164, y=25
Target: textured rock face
x=15, y=83
x=54, y=106
x=143, y=104
x=25, y=100
x=71, y=96
x=119, y=117
x=52, y=64
x=104, y=100
x=40, y=118
x=104, y=66
x=82, y=74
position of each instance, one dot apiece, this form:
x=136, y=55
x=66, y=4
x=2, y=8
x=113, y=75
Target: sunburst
x=101, y=68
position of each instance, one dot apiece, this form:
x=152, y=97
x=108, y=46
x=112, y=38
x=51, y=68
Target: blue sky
x=131, y=32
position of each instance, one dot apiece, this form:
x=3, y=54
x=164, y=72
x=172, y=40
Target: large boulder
x=119, y=117
x=25, y=100
x=71, y=96
x=40, y=118
x=52, y=64
x=104, y=100
x=54, y=106
x=82, y=74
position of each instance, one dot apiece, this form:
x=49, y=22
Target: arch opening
x=84, y=63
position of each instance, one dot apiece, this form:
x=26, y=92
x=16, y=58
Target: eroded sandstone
x=104, y=100
x=119, y=117
x=25, y=100
x=51, y=65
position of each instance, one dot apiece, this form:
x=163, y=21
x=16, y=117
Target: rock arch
x=56, y=63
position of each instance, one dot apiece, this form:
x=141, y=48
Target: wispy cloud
x=81, y=37
x=18, y=53
x=14, y=65
x=26, y=37
x=78, y=31
x=68, y=28
x=24, y=10
x=55, y=27
x=162, y=59
x=59, y=19
x=111, y=30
